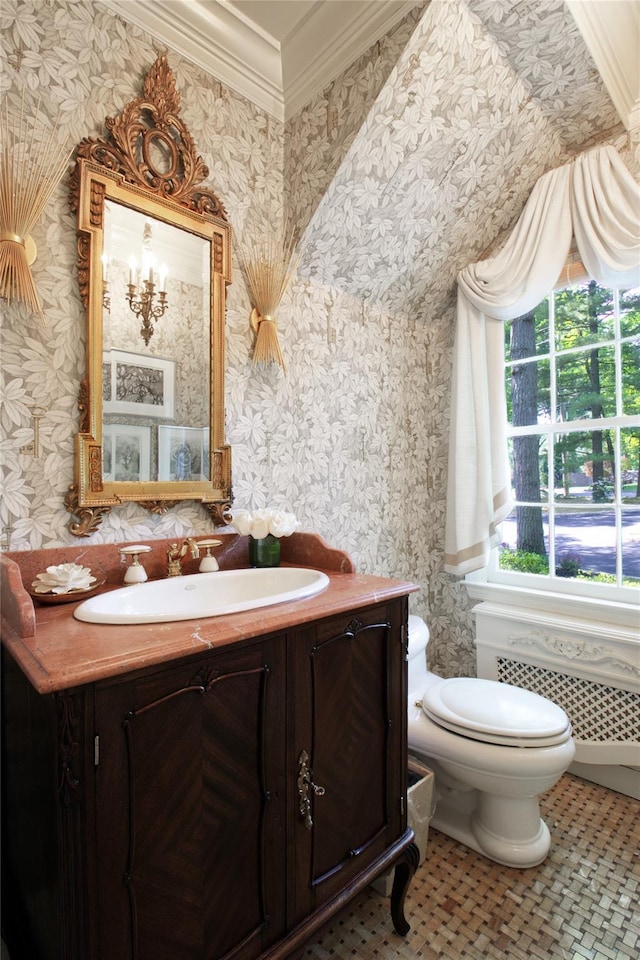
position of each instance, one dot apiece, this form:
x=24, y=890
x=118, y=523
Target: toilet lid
x=495, y=712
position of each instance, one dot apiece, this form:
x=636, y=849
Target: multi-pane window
x=572, y=380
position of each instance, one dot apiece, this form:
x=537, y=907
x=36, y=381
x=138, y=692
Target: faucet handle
x=135, y=572
x=208, y=563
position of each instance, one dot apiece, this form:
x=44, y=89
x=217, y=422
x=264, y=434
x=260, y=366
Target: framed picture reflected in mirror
x=126, y=452
x=183, y=453
x=133, y=383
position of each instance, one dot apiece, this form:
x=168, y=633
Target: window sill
x=609, y=613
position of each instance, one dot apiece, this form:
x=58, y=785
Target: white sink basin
x=202, y=595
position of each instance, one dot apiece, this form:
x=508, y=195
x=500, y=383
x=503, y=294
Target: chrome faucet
x=177, y=551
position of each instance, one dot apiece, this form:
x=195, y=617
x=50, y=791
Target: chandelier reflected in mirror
x=142, y=297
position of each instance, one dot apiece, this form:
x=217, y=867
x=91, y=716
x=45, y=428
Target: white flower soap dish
x=64, y=582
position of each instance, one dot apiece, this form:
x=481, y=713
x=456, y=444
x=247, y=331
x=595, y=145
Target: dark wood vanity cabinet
x=190, y=793
x=220, y=806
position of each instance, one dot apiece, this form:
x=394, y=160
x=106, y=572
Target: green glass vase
x=264, y=552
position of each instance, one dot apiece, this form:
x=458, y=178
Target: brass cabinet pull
x=306, y=784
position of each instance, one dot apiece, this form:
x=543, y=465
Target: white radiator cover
x=589, y=668
x=601, y=716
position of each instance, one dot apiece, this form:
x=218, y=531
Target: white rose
x=260, y=525
x=242, y=522
x=282, y=524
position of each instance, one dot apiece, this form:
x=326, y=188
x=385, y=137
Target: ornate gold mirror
x=154, y=259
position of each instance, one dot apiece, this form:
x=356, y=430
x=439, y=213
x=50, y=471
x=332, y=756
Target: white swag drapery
x=593, y=198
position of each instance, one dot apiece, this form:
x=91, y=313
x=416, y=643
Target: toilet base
x=457, y=825
x=470, y=816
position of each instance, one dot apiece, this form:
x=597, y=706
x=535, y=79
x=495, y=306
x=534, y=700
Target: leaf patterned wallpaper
x=414, y=162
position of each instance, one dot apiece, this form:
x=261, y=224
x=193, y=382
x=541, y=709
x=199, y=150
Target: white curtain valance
x=593, y=198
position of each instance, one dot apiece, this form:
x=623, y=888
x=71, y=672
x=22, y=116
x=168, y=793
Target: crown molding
x=329, y=40
x=214, y=38
x=611, y=31
x=230, y=47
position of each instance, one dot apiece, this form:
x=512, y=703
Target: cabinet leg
x=405, y=869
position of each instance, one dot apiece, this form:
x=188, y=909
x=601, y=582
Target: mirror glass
x=155, y=373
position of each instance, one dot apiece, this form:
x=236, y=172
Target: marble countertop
x=58, y=652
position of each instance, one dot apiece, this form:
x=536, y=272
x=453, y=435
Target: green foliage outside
x=521, y=561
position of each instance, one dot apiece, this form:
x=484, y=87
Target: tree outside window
x=572, y=381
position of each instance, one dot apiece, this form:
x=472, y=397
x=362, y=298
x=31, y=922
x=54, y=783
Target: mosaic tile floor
x=582, y=903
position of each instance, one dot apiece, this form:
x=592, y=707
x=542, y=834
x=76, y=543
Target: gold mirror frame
x=121, y=168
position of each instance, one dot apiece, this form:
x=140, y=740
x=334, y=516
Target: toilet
x=494, y=748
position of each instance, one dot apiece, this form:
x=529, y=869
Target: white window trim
x=623, y=614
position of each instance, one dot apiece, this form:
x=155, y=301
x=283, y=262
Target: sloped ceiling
x=486, y=96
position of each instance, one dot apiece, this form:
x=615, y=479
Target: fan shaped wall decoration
x=32, y=163
x=270, y=258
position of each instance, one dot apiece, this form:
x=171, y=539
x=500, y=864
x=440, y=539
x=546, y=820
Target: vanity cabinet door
x=190, y=808
x=349, y=745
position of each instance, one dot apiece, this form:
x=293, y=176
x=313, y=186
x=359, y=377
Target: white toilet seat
x=493, y=712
